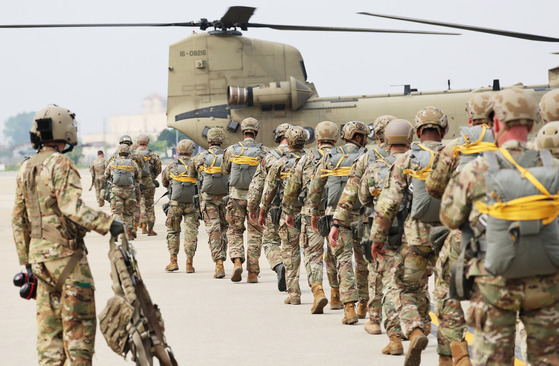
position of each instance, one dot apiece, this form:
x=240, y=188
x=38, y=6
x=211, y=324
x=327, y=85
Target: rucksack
x=244, y=163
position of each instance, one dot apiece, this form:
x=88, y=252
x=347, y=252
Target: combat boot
x=460, y=353
x=335, y=302
x=130, y=236
x=280, y=272
x=362, y=310
x=219, y=270
x=418, y=342
x=150, y=231
x=144, y=228
x=237, y=270
x=445, y=360
x=173, y=266
x=394, y=347
x=189, y=261
x=427, y=329
x=349, y=314
x=292, y=300
x=320, y=299
x=101, y=203
x=372, y=328
x=252, y=277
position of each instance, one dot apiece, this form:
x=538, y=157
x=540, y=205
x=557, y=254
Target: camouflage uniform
x=66, y=321
x=270, y=236
x=494, y=306
x=212, y=207
x=147, y=211
x=178, y=210
x=97, y=170
x=236, y=213
x=123, y=198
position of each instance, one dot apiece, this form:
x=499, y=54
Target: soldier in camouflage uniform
x=548, y=135
x=452, y=324
x=123, y=172
x=97, y=170
x=529, y=289
x=49, y=222
x=272, y=194
x=399, y=135
x=148, y=184
x=270, y=237
x=214, y=186
x=182, y=190
x=311, y=241
x=345, y=216
x=240, y=161
x=416, y=256
x=332, y=171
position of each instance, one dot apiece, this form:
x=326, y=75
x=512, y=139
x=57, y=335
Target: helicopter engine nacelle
x=292, y=94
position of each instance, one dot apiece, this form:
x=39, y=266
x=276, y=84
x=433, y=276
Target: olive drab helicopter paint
x=219, y=77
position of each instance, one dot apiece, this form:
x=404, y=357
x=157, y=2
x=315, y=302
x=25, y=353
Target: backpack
x=522, y=232
x=341, y=161
x=244, y=163
x=123, y=172
x=146, y=170
x=424, y=207
x=213, y=181
x=183, y=187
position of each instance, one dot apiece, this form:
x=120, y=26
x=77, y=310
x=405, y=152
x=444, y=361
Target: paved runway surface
x=208, y=321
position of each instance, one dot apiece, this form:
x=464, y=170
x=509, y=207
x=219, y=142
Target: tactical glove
x=116, y=227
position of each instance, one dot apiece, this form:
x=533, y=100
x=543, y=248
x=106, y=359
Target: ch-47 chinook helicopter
x=220, y=77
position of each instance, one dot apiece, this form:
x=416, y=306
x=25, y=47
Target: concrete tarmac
x=208, y=321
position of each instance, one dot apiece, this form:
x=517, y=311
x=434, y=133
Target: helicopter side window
x=279, y=107
x=266, y=107
x=304, y=69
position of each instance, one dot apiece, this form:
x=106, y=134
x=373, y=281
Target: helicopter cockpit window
x=310, y=134
x=372, y=133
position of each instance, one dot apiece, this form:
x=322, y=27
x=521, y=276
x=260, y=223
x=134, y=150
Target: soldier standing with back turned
x=150, y=171
x=97, y=170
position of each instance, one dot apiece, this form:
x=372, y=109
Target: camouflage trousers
x=313, y=245
x=235, y=214
x=99, y=185
x=411, y=299
x=177, y=211
x=353, y=284
x=331, y=268
x=147, y=211
x=493, y=314
x=271, y=242
x=452, y=324
x=213, y=212
x=123, y=202
x=291, y=256
x=66, y=322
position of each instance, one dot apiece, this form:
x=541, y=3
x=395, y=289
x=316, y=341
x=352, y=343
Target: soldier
x=311, y=241
x=97, y=169
x=416, y=257
x=399, y=135
x=345, y=215
x=504, y=195
x=49, y=222
x=548, y=135
x=148, y=183
x=214, y=186
x=476, y=138
x=332, y=171
x=270, y=236
x=272, y=195
x=123, y=173
x=182, y=189
x=240, y=161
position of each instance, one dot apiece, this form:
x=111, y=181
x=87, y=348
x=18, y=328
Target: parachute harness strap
x=423, y=173
x=245, y=160
x=287, y=174
x=543, y=206
x=212, y=169
x=475, y=147
x=182, y=177
x=337, y=172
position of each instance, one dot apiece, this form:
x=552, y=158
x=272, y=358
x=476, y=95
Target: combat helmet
x=399, y=132
x=431, y=117
x=327, y=131
x=478, y=108
x=548, y=138
x=280, y=131
x=185, y=147
x=297, y=137
x=549, y=106
x=52, y=124
x=215, y=136
x=353, y=128
x=123, y=149
x=379, y=126
x=250, y=124
x=515, y=106
x=125, y=139
x=143, y=140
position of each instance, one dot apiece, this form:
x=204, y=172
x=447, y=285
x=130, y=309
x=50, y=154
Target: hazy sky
x=101, y=72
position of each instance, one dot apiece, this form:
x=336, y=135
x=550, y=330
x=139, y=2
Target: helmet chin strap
x=68, y=149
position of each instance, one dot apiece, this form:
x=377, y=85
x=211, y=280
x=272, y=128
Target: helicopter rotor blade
x=237, y=15
x=102, y=25
x=341, y=29
x=531, y=37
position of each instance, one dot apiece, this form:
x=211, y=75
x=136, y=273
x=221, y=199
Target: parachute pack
x=123, y=172
x=244, y=163
x=131, y=322
x=146, y=170
x=213, y=181
x=183, y=187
